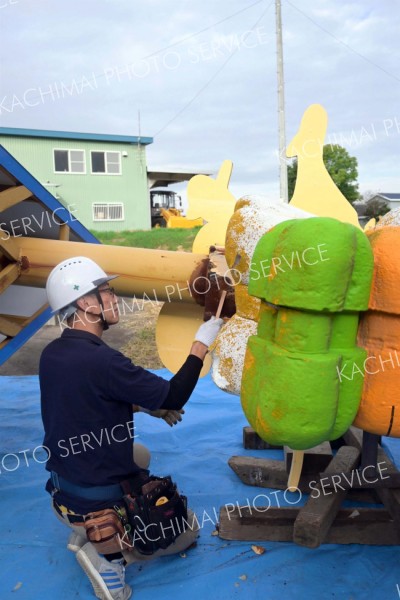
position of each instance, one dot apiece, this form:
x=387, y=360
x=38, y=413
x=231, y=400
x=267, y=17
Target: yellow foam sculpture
x=315, y=190
x=210, y=199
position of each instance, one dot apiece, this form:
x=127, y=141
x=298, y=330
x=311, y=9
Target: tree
x=341, y=167
x=375, y=207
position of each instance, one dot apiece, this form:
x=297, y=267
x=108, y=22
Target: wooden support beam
x=389, y=497
x=13, y=195
x=372, y=526
x=360, y=479
x=266, y=473
x=369, y=450
x=9, y=327
x=252, y=441
x=320, y=510
x=64, y=232
x=8, y=246
x=21, y=321
x=8, y=275
x=315, y=459
x=353, y=437
x=363, y=496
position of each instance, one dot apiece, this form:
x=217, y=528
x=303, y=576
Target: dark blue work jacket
x=87, y=392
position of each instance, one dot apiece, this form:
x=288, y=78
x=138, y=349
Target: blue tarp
x=35, y=563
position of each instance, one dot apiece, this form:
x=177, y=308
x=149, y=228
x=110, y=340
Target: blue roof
x=73, y=135
x=390, y=196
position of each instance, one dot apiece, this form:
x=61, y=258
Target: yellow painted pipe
x=159, y=274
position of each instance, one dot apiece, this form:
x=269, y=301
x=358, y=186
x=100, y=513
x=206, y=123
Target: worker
x=88, y=394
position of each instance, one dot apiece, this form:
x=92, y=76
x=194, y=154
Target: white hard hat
x=72, y=279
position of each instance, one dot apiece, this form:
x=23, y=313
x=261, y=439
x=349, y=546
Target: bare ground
x=141, y=325
x=134, y=336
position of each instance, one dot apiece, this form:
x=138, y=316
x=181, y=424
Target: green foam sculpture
x=313, y=276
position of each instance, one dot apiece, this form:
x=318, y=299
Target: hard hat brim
x=102, y=280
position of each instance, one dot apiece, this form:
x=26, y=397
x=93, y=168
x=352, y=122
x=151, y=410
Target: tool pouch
x=157, y=514
x=107, y=531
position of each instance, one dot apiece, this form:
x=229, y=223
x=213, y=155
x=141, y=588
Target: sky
x=200, y=78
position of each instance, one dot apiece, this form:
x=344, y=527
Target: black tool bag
x=157, y=513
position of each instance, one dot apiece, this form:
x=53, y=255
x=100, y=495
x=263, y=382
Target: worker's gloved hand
x=171, y=417
x=208, y=331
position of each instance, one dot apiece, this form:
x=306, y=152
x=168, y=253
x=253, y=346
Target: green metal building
x=100, y=179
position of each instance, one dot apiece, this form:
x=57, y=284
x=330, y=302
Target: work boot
x=106, y=577
x=76, y=541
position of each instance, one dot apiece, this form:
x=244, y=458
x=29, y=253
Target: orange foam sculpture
x=379, y=334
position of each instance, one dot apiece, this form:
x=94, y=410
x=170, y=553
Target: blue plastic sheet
x=35, y=563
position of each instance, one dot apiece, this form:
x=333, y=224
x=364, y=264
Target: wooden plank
x=8, y=275
x=358, y=479
x=353, y=437
x=252, y=441
x=372, y=526
x=369, y=451
x=8, y=246
x=316, y=517
x=64, y=232
x=390, y=498
x=363, y=496
x=266, y=473
x=22, y=321
x=9, y=328
x=315, y=459
x=13, y=195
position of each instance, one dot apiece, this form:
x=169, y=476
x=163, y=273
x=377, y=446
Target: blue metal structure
x=12, y=175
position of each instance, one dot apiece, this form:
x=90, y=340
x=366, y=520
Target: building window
x=108, y=212
x=69, y=161
x=106, y=163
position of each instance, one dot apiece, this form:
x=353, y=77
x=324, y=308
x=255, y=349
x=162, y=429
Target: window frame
x=108, y=204
x=69, y=150
x=105, y=162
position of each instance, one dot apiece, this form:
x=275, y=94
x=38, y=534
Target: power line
x=217, y=72
x=191, y=35
x=343, y=43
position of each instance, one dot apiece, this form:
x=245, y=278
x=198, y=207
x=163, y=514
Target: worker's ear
x=85, y=302
x=80, y=303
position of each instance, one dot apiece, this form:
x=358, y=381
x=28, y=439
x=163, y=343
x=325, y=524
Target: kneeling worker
x=88, y=394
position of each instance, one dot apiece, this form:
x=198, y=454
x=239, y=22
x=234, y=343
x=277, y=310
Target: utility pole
x=281, y=105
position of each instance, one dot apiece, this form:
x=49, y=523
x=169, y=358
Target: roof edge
x=74, y=135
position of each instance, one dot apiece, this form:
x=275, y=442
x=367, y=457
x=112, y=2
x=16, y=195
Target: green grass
x=159, y=238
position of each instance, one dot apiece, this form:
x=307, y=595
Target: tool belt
x=156, y=512
x=152, y=516
x=108, y=530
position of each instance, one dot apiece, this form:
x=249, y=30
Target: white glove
x=208, y=331
x=171, y=417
